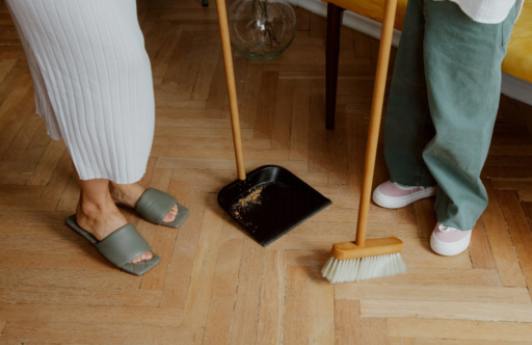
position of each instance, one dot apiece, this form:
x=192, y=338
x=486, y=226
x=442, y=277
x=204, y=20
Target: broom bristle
x=349, y=270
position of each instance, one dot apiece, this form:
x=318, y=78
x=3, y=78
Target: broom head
x=377, y=258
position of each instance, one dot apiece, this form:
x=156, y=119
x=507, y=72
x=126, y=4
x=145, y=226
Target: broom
x=371, y=258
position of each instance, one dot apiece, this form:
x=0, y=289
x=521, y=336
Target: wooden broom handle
x=231, y=87
x=375, y=119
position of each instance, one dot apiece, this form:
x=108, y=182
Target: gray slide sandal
x=120, y=247
x=154, y=204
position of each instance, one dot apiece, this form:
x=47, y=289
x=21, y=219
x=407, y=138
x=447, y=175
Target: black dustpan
x=270, y=200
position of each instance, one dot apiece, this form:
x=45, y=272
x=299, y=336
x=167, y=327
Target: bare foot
x=102, y=219
x=129, y=194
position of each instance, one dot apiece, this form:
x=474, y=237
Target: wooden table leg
x=334, y=23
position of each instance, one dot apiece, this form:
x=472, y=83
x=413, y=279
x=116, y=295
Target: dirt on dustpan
x=253, y=198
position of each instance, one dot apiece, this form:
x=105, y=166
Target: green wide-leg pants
x=442, y=106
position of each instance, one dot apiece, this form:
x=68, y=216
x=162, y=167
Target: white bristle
x=342, y=271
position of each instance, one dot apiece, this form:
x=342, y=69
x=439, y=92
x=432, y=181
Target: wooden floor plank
x=460, y=330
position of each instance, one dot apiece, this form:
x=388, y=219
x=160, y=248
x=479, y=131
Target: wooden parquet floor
x=216, y=286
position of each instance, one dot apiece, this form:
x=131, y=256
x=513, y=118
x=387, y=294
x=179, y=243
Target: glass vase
x=262, y=29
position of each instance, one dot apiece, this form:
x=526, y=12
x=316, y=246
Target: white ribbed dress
x=92, y=80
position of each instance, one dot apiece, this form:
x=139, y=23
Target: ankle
x=118, y=192
x=95, y=208
x=126, y=193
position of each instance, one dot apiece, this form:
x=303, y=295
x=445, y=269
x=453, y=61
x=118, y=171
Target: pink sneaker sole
x=447, y=241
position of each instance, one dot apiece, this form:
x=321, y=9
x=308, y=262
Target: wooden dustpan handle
x=375, y=119
x=231, y=87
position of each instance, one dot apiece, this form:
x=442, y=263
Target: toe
x=142, y=257
x=171, y=215
x=148, y=256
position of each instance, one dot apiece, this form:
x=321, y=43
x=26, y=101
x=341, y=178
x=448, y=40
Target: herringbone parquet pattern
x=214, y=285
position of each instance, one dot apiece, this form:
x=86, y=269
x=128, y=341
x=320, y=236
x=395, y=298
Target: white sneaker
x=393, y=195
x=449, y=241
